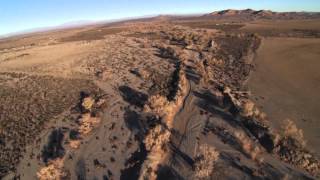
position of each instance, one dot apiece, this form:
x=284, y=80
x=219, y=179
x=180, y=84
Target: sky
x=20, y=15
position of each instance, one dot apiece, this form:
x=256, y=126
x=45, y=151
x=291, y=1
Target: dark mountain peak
x=264, y=12
x=248, y=10
x=261, y=14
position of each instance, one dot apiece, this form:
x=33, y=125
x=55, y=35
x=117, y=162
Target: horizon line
x=73, y=24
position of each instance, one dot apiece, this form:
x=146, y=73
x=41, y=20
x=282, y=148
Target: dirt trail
x=182, y=118
x=186, y=130
x=211, y=112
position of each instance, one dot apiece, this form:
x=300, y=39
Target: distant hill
x=250, y=14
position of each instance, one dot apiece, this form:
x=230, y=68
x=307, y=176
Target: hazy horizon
x=20, y=16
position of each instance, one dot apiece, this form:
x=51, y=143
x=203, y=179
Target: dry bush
x=205, y=161
x=159, y=136
x=155, y=143
x=28, y=102
x=291, y=148
x=87, y=123
x=164, y=108
x=157, y=104
x=74, y=144
x=54, y=171
x=144, y=73
x=106, y=75
x=87, y=103
x=291, y=130
x=156, y=138
x=248, y=108
x=248, y=146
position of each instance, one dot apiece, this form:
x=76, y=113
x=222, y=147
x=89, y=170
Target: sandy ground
x=158, y=99
x=286, y=83
x=266, y=28
x=282, y=25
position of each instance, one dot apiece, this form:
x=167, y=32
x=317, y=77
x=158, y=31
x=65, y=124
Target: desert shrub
x=205, y=161
x=291, y=130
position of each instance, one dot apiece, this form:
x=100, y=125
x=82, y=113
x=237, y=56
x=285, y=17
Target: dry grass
x=92, y=34
x=27, y=104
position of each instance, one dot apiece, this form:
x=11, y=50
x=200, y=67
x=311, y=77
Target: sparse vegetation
x=205, y=161
x=53, y=171
x=153, y=99
x=290, y=130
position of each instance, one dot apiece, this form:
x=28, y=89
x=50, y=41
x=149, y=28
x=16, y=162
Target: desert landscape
x=232, y=94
